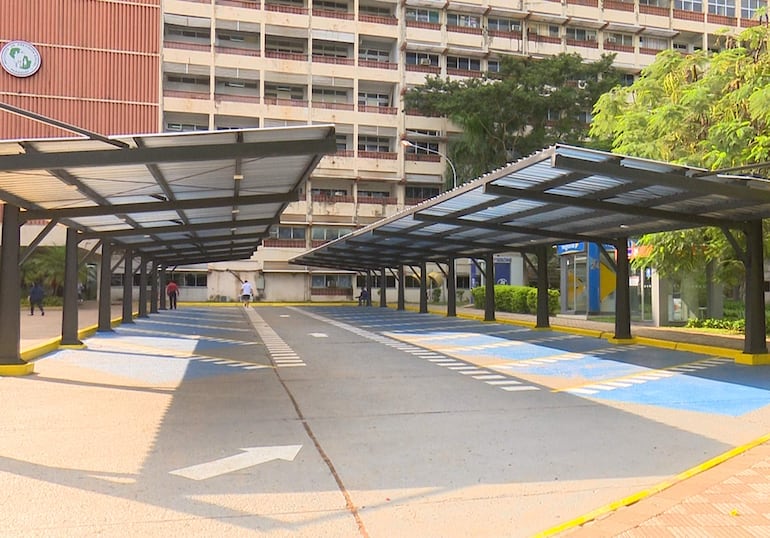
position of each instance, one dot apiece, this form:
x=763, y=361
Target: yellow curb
x=753, y=359
x=621, y=341
x=72, y=346
x=636, y=497
x=41, y=349
x=16, y=370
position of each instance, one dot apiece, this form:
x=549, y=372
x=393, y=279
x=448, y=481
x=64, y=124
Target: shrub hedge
x=516, y=299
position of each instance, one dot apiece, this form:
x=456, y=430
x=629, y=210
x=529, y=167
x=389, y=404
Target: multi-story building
x=261, y=63
x=258, y=63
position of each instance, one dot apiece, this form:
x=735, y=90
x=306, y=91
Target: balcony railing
x=185, y=45
x=512, y=34
x=332, y=106
x=377, y=109
x=236, y=98
x=238, y=51
x=463, y=72
x=332, y=14
x=298, y=56
x=185, y=94
x=424, y=25
x=687, y=15
x=283, y=243
x=377, y=65
x=250, y=4
x=618, y=5
x=385, y=200
x=434, y=69
x=722, y=20
x=463, y=29
x=382, y=155
x=377, y=19
x=654, y=10
x=332, y=199
x=618, y=47
x=281, y=8
x=590, y=43
x=543, y=38
x=320, y=58
x=345, y=153
x=422, y=157
x=285, y=102
x=589, y=3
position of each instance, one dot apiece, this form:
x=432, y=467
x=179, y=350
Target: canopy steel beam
x=150, y=207
x=177, y=228
x=160, y=155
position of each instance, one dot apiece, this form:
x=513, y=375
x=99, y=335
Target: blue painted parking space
x=584, y=366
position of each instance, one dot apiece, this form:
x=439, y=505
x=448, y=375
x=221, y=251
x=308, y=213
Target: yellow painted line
x=636, y=497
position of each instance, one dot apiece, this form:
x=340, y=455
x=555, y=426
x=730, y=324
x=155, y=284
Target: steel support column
x=128, y=282
x=105, y=289
x=69, y=317
x=10, y=291
x=400, y=284
x=451, y=289
x=154, y=288
x=142, y=311
x=423, y=288
x=162, y=281
x=489, y=289
x=369, y=287
x=383, y=288
x=543, y=321
x=755, y=341
x=622, y=293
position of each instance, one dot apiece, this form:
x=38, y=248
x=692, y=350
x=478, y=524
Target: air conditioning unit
x=424, y=61
x=582, y=84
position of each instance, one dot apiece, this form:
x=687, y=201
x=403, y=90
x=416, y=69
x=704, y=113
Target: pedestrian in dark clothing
x=36, y=294
x=172, y=290
x=363, y=297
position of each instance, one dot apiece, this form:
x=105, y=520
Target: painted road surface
x=347, y=421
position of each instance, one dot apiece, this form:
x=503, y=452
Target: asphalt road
x=352, y=422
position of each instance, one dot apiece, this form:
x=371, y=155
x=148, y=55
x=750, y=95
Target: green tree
x=703, y=109
x=46, y=265
x=528, y=105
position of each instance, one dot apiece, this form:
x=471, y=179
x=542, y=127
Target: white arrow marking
x=251, y=456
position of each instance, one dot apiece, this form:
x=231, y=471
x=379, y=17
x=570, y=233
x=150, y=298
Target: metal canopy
x=174, y=198
x=563, y=193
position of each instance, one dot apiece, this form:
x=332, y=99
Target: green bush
x=515, y=299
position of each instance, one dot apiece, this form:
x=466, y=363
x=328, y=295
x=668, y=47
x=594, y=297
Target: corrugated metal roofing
x=179, y=198
x=563, y=193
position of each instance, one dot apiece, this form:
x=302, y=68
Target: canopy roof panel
x=561, y=194
x=178, y=197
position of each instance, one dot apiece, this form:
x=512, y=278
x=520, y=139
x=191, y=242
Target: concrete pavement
x=726, y=496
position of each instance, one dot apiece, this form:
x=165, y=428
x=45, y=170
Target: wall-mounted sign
x=20, y=59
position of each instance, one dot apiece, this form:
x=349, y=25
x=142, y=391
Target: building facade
x=221, y=64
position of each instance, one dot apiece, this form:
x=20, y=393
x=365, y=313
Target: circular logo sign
x=20, y=59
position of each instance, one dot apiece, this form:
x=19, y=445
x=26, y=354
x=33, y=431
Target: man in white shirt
x=246, y=292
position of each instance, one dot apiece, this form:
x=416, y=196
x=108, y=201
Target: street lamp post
x=450, y=301
x=407, y=143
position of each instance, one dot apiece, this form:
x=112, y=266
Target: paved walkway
x=727, y=496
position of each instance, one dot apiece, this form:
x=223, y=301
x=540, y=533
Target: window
x=334, y=50
x=421, y=58
x=422, y=148
x=330, y=6
x=390, y=281
x=188, y=80
x=287, y=232
x=466, y=21
x=628, y=79
x=251, y=85
x=331, y=281
x=553, y=115
x=580, y=34
x=553, y=31
x=373, y=99
x=188, y=33
x=375, y=11
x=654, y=43
x=504, y=25
x=290, y=46
x=467, y=64
x=422, y=15
x=184, y=127
x=330, y=95
x=373, y=194
x=192, y=280
x=421, y=193
x=749, y=8
x=329, y=193
x=328, y=233
x=294, y=93
x=493, y=66
x=689, y=5
x=584, y=116
x=342, y=142
x=374, y=55
x=621, y=39
x=722, y=7
x=373, y=143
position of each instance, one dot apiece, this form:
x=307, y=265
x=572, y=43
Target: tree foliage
x=707, y=109
x=528, y=105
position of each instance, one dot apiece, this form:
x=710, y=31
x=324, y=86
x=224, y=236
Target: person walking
x=172, y=290
x=246, y=292
x=36, y=294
